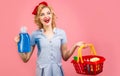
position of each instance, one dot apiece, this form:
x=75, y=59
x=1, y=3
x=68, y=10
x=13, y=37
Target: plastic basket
x=89, y=64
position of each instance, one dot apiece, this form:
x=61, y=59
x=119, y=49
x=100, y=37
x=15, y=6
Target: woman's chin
x=47, y=24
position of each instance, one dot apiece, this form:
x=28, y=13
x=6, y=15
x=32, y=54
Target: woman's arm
x=26, y=56
x=67, y=54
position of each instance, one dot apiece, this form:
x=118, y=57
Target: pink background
x=93, y=21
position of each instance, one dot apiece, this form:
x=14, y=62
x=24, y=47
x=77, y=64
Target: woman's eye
x=48, y=13
x=42, y=14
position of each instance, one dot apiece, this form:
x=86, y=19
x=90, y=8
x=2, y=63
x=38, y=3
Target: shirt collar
x=54, y=30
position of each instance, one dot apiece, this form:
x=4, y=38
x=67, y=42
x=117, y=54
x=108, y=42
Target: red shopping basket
x=89, y=64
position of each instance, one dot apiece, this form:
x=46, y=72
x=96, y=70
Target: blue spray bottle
x=24, y=43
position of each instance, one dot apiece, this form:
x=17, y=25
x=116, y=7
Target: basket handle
x=92, y=51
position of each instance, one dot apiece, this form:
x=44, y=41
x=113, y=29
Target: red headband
x=36, y=8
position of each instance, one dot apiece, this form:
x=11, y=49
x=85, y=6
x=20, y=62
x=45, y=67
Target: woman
x=50, y=41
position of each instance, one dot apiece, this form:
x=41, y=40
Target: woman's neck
x=48, y=32
x=48, y=29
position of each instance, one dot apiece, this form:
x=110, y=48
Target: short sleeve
x=64, y=38
x=32, y=39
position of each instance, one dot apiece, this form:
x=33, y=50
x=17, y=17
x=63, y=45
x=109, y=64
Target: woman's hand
x=24, y=56
x=17, y=39
x=67, y=54
x=78, y=44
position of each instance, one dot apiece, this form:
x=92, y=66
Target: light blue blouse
x=49, y=52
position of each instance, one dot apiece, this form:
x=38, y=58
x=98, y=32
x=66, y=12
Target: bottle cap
x=23, y=29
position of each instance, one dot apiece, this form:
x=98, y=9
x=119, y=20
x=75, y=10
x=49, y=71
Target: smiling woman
x=94, y=21
x=51, y=43
x=40, y=15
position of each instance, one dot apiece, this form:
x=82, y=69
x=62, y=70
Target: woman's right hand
x=17, y=39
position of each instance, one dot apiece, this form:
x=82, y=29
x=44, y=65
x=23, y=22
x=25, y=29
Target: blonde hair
x=37, y=20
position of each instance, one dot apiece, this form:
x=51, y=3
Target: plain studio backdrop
x=92, y=21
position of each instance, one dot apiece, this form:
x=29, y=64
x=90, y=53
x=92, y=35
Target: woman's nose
x=45, y=17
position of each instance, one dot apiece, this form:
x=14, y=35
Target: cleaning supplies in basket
x=94, y=59
x=88, y=64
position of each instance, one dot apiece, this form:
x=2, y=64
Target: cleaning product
x=75, y=58
x=24, y=42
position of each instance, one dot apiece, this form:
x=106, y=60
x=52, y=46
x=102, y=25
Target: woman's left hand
x=78, y=44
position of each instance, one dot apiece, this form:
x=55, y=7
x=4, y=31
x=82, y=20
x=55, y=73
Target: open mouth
x=46, y=20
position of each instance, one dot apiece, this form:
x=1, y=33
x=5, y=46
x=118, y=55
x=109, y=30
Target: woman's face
x=46, y=16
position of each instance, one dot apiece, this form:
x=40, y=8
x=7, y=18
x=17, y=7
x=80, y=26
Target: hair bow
x=36, y=8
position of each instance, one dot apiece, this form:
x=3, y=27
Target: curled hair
x=37, y=20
